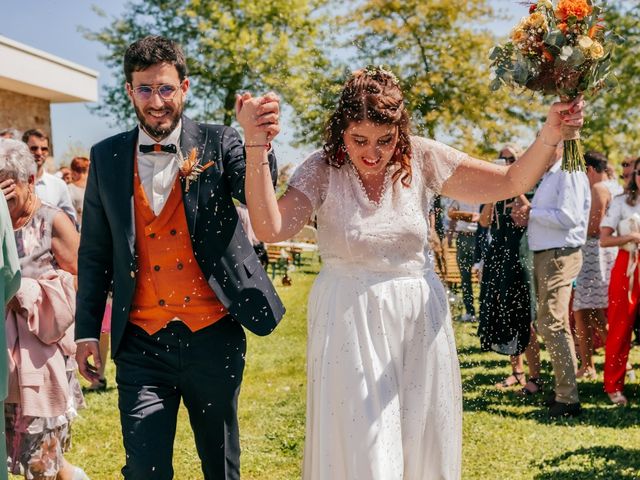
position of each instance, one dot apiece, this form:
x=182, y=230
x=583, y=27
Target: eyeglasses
x=507, y=159
x=35, y=148
x=145, y=92
x=625, y=164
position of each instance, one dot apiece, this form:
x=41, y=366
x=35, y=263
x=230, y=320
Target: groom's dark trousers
x=204, y=369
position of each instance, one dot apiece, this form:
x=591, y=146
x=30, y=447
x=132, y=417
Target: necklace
x=29, y=217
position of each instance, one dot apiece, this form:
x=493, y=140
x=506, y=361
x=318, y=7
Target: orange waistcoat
x=169, y=281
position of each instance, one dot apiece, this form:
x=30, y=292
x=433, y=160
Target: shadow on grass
x=481, y=396
x=598, y=462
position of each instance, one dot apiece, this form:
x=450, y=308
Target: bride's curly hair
x=373, y=94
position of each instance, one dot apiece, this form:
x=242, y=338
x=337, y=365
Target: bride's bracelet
x=543, y=139
x=266, y=146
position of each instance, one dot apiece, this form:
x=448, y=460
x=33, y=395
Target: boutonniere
x=190, y=168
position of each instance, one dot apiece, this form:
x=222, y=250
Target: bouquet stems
x=572, y=157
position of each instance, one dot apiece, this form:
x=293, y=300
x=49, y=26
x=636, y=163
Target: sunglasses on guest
x=35, y=148
x=507, y=159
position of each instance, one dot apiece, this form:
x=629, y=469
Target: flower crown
x=372, y=70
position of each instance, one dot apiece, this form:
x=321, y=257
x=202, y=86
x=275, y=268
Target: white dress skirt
x=384, y=397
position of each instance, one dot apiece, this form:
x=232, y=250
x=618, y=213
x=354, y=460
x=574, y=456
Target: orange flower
x=573, y=8
x=562, y=27
x=593, y=31
x=547, y=55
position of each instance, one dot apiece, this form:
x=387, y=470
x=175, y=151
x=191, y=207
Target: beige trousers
x=554, y=271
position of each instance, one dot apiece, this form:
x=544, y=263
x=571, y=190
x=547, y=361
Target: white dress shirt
x=559, y=210
x=52, y=190
x=158, y=170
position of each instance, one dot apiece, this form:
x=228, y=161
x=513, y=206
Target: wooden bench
x=451, y=276
x=278, y=263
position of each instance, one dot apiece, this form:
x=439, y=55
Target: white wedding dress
x=384, y=399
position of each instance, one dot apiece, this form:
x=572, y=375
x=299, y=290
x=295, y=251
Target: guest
x=49, y=189
x=39, y=326
x=557, y=223
x=505, y=305
x=79, y=174
x=64, y=173
x=627, y=170
x=590, y=296
x=624, y=289
x=534, y=383
x=612, y=183
x=384, y=397
x=465, y=215
x=9, y=284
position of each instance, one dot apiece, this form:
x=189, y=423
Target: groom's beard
x=159, y=133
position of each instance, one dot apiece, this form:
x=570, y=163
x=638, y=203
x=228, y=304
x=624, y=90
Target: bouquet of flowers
x=561, y=50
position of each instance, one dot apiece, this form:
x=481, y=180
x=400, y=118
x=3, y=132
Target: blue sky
x=52, y=26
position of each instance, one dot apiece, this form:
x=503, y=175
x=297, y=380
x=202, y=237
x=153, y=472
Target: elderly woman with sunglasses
x=43, y=390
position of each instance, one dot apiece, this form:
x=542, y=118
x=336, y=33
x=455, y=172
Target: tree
x=613, y=115
x=231, y=46
x=440, y=52
x=75, y=149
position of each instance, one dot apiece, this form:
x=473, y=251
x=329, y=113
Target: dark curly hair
x=373, y=94
x=151, y=50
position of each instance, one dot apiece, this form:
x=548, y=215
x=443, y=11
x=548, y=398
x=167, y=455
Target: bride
x=384, y=398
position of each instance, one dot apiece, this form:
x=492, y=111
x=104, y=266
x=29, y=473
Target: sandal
x=587, y=373
x=618, y=399
x=516, y=378
x=630, y=373
x=533, y=386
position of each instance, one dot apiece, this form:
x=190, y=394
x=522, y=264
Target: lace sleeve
x=312, y=178
x=435, y=161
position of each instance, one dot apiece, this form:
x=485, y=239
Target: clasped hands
x=259, y=117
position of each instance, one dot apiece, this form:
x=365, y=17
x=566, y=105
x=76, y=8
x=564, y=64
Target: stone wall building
x=31, y=80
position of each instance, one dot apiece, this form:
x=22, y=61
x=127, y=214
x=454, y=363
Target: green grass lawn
x=504, y=437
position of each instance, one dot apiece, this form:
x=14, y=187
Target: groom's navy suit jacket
x=225, y=255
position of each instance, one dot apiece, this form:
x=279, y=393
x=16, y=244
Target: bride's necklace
x=29, y=217
x=373, y=193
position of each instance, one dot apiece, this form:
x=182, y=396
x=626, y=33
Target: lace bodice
x=388, y=236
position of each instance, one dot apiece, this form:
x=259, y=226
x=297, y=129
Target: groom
x=160, y=223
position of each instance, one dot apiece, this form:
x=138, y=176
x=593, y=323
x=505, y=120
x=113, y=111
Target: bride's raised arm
x=272, y=219
x=477, y=181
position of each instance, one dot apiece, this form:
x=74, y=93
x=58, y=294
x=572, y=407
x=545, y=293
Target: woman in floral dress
x=44, y=393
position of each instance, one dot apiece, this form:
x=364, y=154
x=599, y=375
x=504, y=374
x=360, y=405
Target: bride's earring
x=342, y=155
